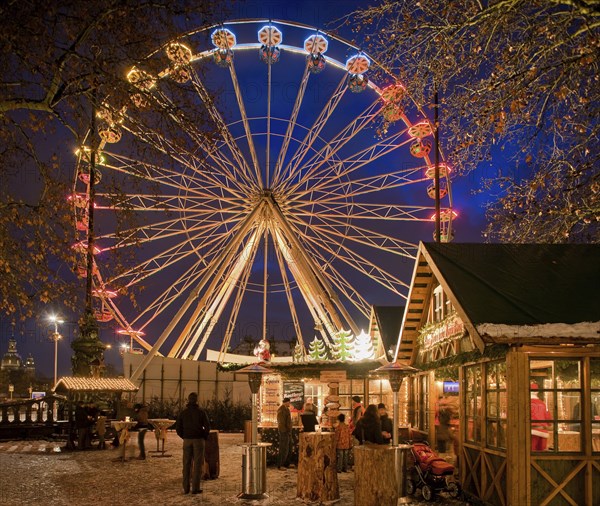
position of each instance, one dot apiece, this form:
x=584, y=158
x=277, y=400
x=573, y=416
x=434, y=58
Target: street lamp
x=55, y=337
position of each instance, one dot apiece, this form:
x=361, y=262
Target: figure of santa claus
x=262, y=350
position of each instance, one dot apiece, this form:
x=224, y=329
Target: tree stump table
x=375, y=475
x=317, y=473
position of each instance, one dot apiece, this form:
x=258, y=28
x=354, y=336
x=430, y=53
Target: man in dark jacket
x=193, y=426
x=284, y=426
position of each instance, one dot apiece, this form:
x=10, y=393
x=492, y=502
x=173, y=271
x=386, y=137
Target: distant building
x=12, y=361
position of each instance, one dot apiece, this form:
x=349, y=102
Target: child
x=343, y=443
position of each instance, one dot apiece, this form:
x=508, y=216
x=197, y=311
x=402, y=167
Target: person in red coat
x=539, y=425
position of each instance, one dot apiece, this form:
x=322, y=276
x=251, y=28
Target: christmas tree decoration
x=317, y=350
x=343, y=346
x=363, y=347
x=299, y=355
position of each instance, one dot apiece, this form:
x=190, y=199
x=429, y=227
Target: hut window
x=473, y=403
x=496, y=405
x=557, y=418
x=438, y=304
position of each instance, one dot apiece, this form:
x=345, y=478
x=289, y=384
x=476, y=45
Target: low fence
x=31, y=417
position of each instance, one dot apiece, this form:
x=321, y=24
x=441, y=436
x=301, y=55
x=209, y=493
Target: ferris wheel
x=295, y=200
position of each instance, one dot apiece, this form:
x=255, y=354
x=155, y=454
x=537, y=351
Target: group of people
x=370, y=425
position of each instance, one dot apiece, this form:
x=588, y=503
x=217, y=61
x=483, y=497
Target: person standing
x=284, y=426
x=357, y=412
x=141, y=411
x=82, y=423
x=193, y=426
x=368, y=428
x=343, y=443
x=539, y=425
x=387, y=426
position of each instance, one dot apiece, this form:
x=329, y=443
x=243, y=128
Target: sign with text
x=295, y=391
x=332, y=376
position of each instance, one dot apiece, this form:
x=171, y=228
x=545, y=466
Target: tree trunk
x=374, y=476
x=317, y=474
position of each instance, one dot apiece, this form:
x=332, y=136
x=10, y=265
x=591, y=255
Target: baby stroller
x=430, y=473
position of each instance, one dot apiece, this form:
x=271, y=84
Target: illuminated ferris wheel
x=297, y=202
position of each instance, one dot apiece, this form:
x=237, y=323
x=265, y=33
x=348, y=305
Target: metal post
x=396, y=418
x=254, y=437
x=55, y=357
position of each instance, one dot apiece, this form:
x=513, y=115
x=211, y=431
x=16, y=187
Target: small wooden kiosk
x=508, y=339
x=329, y=384
x=91, y=389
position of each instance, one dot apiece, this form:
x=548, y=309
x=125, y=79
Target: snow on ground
x=29, y=475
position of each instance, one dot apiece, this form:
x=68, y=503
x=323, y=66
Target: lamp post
x=55, y=337
x=254, y=458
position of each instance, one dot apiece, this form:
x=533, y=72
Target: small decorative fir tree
x=317, y=350
x=298, y=356
x=343, y=345
x=363, y=347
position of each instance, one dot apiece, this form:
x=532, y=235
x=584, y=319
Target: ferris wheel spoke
x=314, y=132
x=332, y=147
x=223, y=129
x=366, y=237
x=185, y=282
x=244, y=115
x=213, y=274
x=337, y=189
x=318, y=284
x=207, y=145
x=366, y=211
x=343, y=168
x=136, y=236
x=191, y=206
x=175, y=178
x=169, y=257
x=359, y=263
x=168, y=297
x=291, y=125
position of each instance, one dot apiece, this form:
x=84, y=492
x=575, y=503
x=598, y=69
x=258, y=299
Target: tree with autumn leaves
x=519, y=88
x=58, y=62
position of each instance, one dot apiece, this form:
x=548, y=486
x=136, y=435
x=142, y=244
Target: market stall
x=508, y=341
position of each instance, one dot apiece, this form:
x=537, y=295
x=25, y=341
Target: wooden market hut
x=508, y=328
x=106, y=392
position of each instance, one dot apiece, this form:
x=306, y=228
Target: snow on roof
x=80, y=384
x=584, y=330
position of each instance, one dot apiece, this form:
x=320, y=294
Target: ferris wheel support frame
x=244, y=228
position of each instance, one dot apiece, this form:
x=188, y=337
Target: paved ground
x=39, y=472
